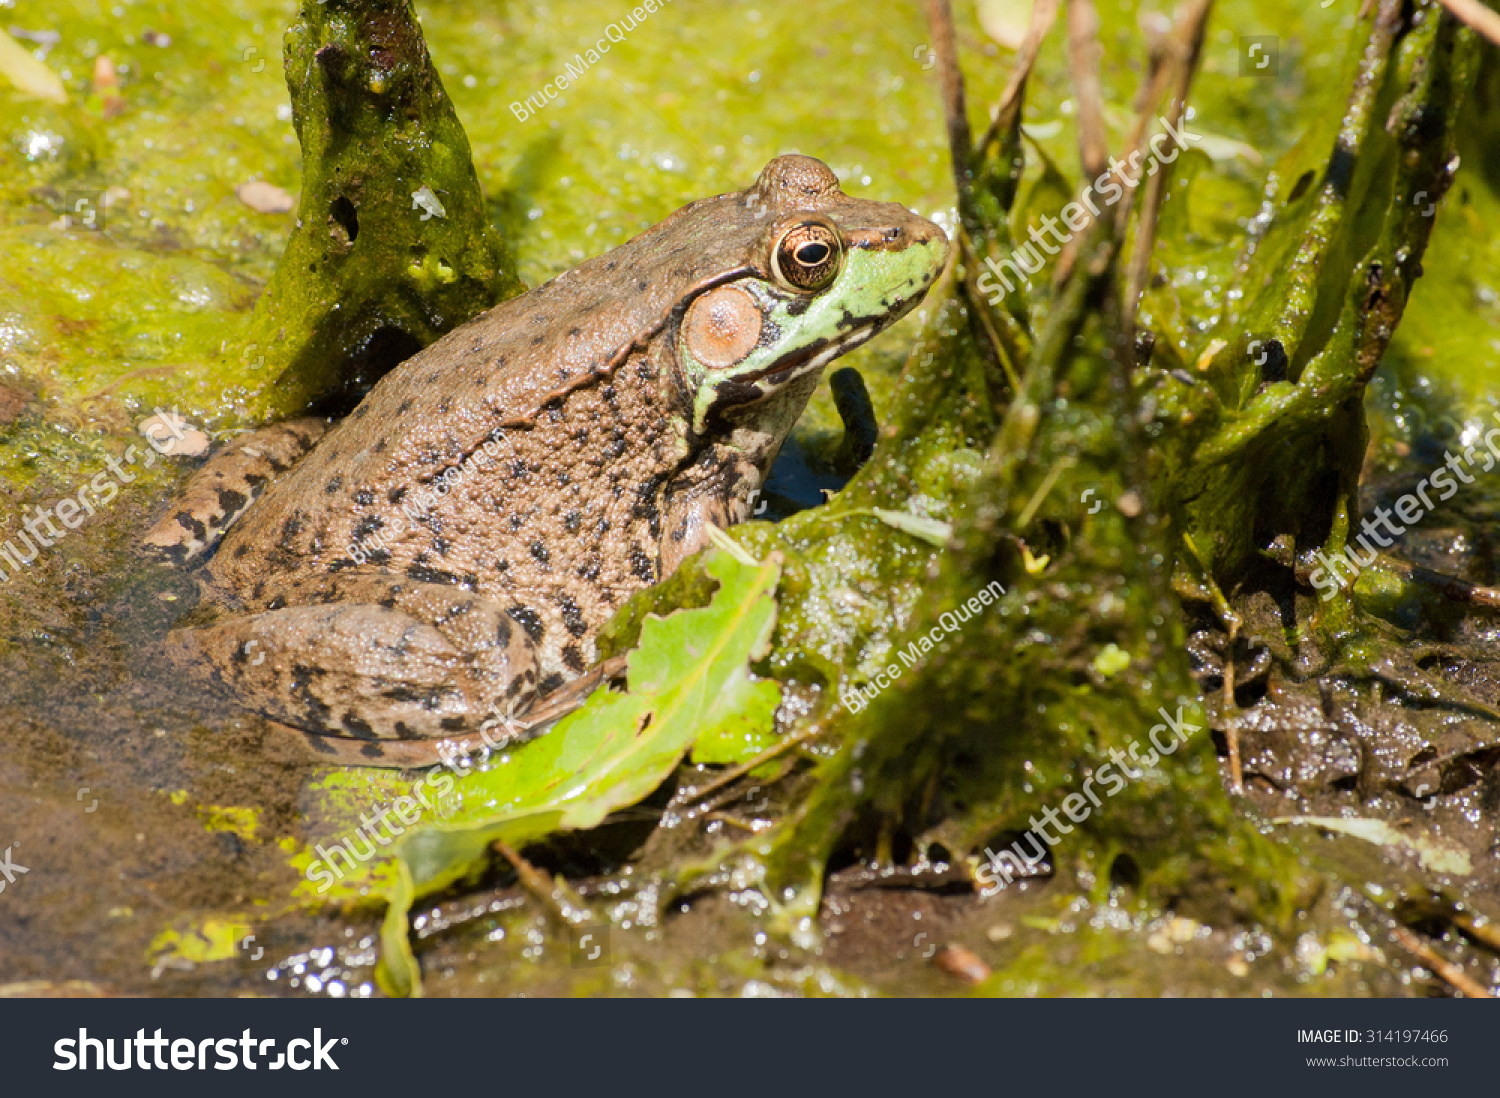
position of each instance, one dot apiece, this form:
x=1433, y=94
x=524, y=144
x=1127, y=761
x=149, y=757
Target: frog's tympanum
x=448, y=551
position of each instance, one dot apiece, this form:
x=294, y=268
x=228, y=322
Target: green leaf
x=689, y=679
x=28, y=74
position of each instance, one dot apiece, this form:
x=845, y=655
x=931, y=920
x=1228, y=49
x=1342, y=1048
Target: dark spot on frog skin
x=572, y=616
x=395, y=495
x=503, y=633
x=643, y=285
x=231, y=501
x=589, y=569
x=380, y=447
x=445, y=406
x=191, y=525
x=335, y=482
x=537, y=341
x=339, y=564
x=529, y=620
x=539, y=551
x=423, y=574
x=441, y=546
x=574, y=659
x=357, y=727
x=550, y=683
x=572, y=521
x=367, y=526
x=517, y=521
x=519, y=470
x=364, y=497
x=452, y=724
x=290, y=529
x=240, y=551
x=514, y=688
x=641, y=566
x=403, y=407
x=645, y=503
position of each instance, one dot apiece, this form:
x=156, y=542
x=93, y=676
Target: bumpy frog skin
x=628, y=405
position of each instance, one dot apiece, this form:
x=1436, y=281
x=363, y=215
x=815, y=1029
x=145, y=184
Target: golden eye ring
x=808, y=256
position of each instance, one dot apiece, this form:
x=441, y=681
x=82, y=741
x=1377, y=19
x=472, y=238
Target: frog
x=450, y=549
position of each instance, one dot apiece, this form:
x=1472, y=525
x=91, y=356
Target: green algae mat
x=1058, y=647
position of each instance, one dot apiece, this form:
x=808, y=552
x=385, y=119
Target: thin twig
x=1186, y=42
x=1485, y=20
x=1083, y=56
x=561, y=902
x=955, y=109
x=1460, y=980
x=1093, y=140
x=1008, y=109
x=736, y=772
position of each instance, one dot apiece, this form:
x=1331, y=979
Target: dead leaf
x=266, y=198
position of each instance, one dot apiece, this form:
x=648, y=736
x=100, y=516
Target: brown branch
x=955, y=110
x=1484, y=20
x=1460, y=980
x=1083, y=56
x=1007, y=111
x=1186, y=44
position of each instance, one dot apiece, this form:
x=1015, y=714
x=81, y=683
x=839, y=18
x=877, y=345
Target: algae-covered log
x=391, y=247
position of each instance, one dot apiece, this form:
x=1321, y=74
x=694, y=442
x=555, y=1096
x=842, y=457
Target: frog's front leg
x=388, y=660
x=223, y=489
x=717, y=491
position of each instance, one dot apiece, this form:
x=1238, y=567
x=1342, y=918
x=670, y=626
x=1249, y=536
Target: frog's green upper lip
x=848, y=338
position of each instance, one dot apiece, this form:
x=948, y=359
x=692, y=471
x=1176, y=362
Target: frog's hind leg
x=384, y=659
x=221, y=491
x=411, y=754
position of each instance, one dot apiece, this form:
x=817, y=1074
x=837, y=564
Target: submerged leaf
x=1434, y=855
x=689, y=679
x=27, y=73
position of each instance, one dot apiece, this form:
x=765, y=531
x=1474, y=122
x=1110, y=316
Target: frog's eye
x=807, y=256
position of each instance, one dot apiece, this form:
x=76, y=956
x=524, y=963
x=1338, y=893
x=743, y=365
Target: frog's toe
x=221, y=491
